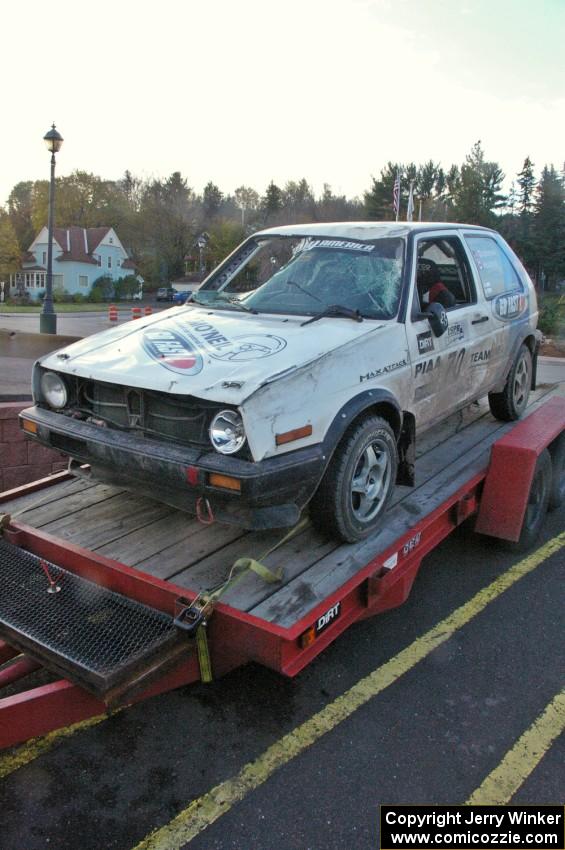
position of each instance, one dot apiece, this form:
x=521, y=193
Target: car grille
x=182, y=419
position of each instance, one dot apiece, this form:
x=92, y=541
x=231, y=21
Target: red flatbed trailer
x=105, y=548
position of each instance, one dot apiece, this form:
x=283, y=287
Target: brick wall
x=21, y=459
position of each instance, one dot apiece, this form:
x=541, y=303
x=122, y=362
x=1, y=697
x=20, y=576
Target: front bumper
x=272, y=494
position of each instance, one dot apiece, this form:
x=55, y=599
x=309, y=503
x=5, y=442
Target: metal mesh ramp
x=99, y=639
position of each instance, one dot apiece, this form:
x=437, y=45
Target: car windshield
x=305, y=275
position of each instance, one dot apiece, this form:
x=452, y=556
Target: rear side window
x=497, y=273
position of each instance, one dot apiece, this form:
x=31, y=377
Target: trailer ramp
x=108, y=643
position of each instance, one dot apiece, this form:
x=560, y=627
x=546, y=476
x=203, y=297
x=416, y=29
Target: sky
x=249, y=91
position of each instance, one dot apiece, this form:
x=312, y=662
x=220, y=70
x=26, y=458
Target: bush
x=20, y=300
x=79, y=298
x=62, y=296
x=102, y=289
x=129, y=286
x=548, y=320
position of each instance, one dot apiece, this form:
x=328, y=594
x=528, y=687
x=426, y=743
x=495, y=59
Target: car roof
x=366, y=229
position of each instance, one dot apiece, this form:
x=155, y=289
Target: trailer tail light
x=308, y=637
x=224, y=481
x=296, y=434
x=29, y=426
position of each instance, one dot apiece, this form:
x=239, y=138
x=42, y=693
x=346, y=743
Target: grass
x=67, y=308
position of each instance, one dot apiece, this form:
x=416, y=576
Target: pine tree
x=549, y=226
x=272, y=201
x=211, y=201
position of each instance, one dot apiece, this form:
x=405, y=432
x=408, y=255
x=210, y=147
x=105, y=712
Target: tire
x=538, y=499
x=511, y=402
x=358, y=482
x=557, y=490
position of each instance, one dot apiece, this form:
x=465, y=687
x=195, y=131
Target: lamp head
x=53, y=140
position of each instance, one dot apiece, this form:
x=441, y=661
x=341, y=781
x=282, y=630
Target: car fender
x=373, y=398
x=520, y=339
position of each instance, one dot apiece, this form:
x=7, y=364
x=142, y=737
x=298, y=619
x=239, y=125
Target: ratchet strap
x=193, y=616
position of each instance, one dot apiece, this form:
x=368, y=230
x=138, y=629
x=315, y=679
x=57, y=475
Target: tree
x=527, y=183
x=20, y=211
x=379, y=198
x=477, y=192
x=299, y=202
x=225, y=236
x=247, y=200
x=272, y=202
x=549, y=225
x=211, y=201
x=9, y=246
x=169, y=223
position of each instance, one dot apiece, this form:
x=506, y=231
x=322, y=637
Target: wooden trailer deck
x=170, y=545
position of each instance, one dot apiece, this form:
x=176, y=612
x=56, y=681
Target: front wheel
x=358, y=482
x=511, y=402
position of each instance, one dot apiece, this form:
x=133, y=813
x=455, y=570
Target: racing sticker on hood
x=239, y=349
x=172, y=350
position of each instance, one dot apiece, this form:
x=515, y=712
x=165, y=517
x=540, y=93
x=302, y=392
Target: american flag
x=396, y=195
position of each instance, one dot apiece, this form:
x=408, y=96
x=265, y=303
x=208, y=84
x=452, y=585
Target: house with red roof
x=80, y=256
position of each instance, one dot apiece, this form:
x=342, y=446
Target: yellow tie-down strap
x=206, y=601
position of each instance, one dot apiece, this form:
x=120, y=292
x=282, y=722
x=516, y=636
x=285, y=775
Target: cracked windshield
x=306, y=275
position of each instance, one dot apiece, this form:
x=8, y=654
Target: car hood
x=219, y=355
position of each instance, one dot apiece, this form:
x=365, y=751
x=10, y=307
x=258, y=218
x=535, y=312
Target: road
x=434, y=734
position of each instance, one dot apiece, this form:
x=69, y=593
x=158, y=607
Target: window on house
x=109, y=262
x=83, y=280
x=44, y=257
x=111, y=240
x=58, y=282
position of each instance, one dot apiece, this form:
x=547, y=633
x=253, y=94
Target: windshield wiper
x=335, y=311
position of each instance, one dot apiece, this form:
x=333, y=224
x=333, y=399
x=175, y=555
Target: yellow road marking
x=208, y=808
x=37, y=746
x=500, y=785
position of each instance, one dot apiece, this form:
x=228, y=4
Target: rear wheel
x=358, y=482
x=557, y=491
x=511, y=402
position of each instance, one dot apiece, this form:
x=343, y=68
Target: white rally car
x=299, y=372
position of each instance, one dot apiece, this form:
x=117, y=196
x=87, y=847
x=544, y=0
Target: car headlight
x=227, y=433
x=53, y=390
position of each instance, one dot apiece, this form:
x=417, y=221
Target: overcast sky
x=248, y=91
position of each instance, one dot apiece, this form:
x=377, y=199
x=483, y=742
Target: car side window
x=443, y=274
x=497, y=273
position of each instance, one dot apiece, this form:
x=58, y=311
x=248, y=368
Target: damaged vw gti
x=299, y=373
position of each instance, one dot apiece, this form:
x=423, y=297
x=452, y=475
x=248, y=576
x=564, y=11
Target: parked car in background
x=166, y=293
x=181, y=297
x=300, y=372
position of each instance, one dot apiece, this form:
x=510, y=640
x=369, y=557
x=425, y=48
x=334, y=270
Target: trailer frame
x=496, y=494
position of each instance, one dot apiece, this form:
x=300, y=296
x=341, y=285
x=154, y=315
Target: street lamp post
x=48, y=317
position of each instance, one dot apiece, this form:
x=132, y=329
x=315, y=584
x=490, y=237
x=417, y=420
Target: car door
x=505, y=298
x=451, y=370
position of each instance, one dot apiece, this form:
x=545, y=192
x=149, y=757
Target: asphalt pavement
x=440, y=727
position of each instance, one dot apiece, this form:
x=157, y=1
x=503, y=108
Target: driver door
x=446, y=370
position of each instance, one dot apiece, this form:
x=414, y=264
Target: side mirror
x=437, y=317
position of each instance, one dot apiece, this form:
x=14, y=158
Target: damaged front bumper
x=271, y=492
